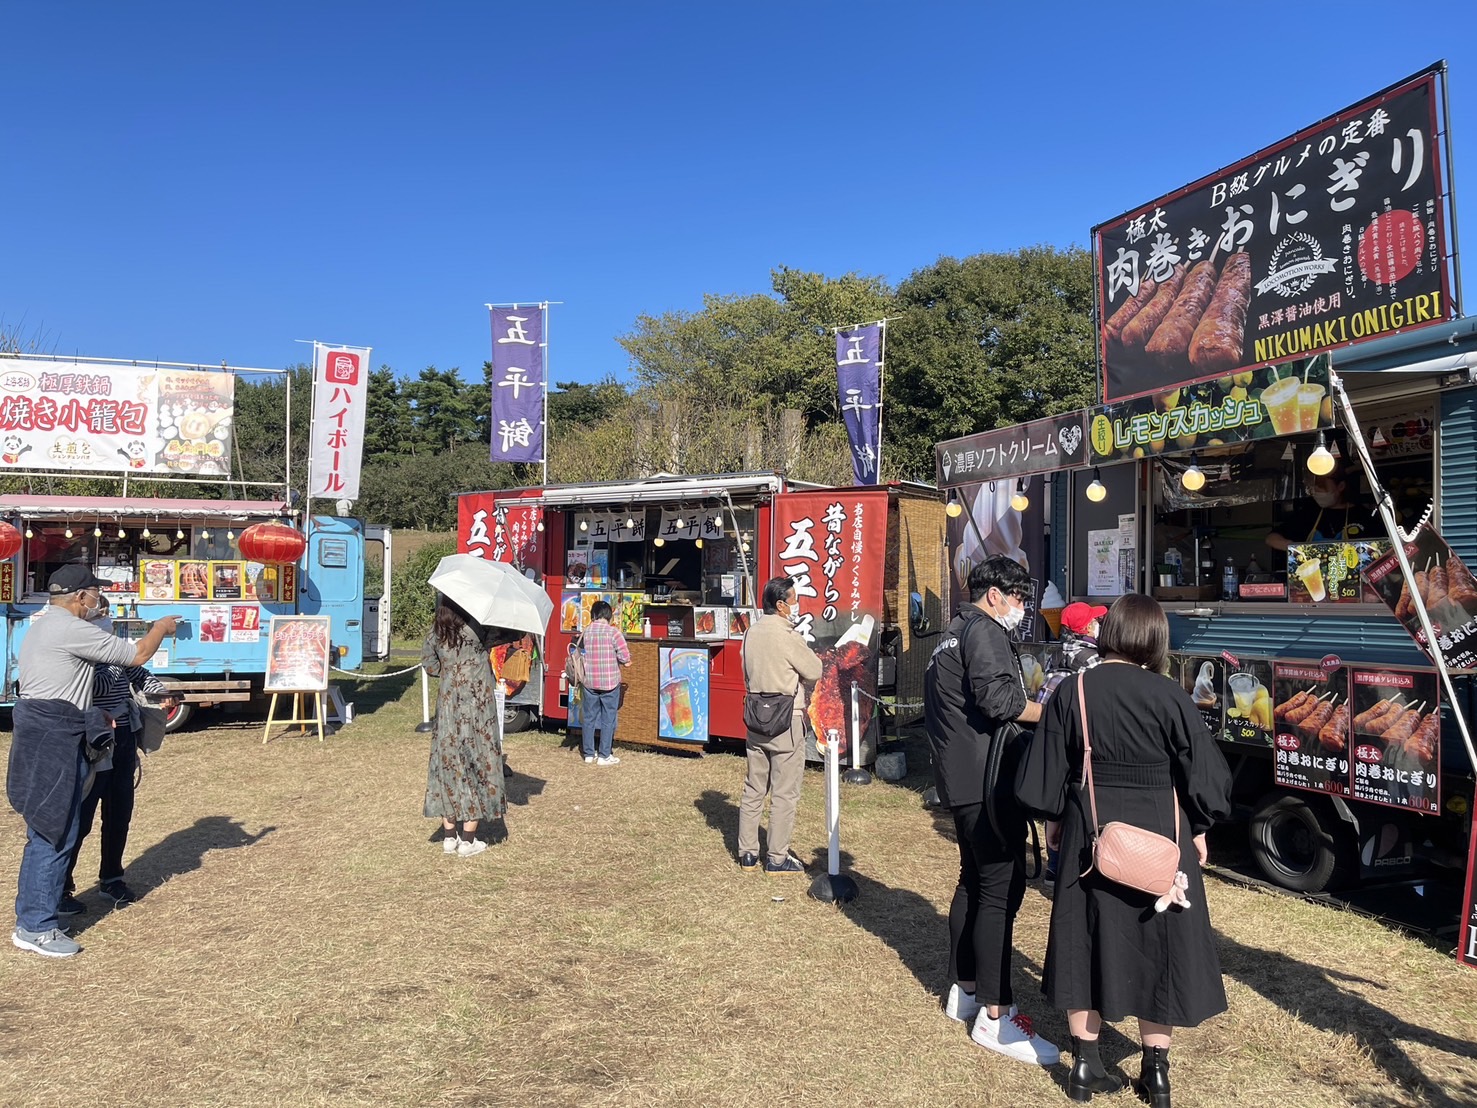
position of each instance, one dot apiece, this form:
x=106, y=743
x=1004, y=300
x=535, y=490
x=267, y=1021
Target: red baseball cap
x=1076, y=616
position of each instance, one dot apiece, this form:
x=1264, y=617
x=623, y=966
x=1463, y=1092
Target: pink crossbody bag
x=1121, y=852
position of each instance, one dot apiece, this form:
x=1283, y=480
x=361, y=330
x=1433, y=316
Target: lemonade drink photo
x=1244, y=688
x=1310, y=576
x=1310, y=402
x=1281, y=401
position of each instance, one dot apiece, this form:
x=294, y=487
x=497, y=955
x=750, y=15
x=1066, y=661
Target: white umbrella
x=495, y=594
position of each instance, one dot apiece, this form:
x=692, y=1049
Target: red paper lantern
x=273, y=543
x=10, y=540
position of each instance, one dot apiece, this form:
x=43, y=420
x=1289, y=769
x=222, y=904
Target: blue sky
x=206, y=182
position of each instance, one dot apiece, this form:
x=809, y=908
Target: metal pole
x=856, y=728
x=1386, y=506
x=881, y=383
x=1456, y=253
x=544, y=307
x=287, y=447
x=833, y=806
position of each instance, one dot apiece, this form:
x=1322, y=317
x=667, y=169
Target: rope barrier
x=895, y=705
x=374, y=676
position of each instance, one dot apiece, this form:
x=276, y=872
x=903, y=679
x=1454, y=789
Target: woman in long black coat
x=1109, y=953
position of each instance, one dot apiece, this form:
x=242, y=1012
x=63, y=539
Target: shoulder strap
x=1087, y=761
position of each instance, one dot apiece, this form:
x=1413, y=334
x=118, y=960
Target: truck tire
x=517, y=718
x=178, y=717
x=1297, y=842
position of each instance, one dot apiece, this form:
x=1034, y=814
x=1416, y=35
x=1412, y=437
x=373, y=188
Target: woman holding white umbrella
x=464, y=782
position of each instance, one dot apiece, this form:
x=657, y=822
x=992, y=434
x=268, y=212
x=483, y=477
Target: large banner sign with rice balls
x=1328, y=238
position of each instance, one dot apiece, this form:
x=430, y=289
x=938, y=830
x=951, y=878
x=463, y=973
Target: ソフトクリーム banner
x=1325, y=239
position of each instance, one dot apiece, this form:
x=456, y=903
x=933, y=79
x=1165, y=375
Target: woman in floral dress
x=464, y=783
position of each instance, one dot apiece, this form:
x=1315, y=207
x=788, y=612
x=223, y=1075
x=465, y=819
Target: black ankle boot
x=1153, y=1080
x=1088, y=1075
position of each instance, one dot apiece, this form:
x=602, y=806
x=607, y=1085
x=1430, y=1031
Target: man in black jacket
x=972, y=694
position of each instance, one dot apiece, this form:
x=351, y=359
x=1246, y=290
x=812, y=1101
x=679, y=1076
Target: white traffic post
x=425, y=723
x=832, y=886
x=856, y=775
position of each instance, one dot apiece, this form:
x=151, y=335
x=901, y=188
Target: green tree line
x=743, y=383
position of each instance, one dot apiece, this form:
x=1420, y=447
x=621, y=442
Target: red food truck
x=682, y=561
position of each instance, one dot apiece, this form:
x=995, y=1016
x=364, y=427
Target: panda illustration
x=135, y=454
x=12, y=450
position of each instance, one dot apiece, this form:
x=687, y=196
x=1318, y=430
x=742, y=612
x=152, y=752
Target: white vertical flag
x=340, y=391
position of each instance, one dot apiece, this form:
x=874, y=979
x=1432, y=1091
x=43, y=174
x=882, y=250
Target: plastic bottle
x=1176, y=561
x=1229, y=585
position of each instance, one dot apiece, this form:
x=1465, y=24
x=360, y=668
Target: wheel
x=178, y=716
x=1297, y=842
x=517, y=718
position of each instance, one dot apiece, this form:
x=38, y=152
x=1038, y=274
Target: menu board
x=682, y=707
x=628, y=608
x=1331, y=572
x=1312, y=722
x=297, y=654
x=1397, y=738
x=194, y=580
x=214, y=622
x=571, y=618
x=156, y=579
x=1445, y=585
x=1204, y=678
x=1248, y=700
x=227, y=581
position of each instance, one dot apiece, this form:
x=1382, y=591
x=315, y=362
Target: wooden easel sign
x=297, y=666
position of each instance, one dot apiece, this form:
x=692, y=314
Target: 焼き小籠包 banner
x=1325, y=239
x=97, y=418
x=1249, y=404
x=1041, y=446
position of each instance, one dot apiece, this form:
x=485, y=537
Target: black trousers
x=113, y=790
x=992, y=884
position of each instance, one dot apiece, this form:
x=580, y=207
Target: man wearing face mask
x=973, y=694
x=1327, y=514
x=777, y=660
x=54, y=725
x=112, y=789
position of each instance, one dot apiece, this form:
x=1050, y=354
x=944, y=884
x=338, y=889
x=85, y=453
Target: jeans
x=43, y=871
x=113, y=789
x=597, y=713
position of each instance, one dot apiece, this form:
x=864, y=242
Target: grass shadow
x=1319, y=998
x=182, y=852
x=721, y=815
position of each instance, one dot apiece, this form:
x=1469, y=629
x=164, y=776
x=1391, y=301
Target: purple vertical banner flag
x=518, y=384
x=859, y=389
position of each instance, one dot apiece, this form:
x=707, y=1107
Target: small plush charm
x=1176, y=895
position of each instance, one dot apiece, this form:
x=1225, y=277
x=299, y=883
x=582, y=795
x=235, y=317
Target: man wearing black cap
x=54, y=724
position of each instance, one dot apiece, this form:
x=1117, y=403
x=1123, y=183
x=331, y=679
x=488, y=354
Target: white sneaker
x=466, y=850
x=1011, y=1035
x=448, y=844
x=607, y=760
x=589, y=759
x=961, y=1006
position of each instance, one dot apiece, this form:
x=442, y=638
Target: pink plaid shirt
x=605, y=652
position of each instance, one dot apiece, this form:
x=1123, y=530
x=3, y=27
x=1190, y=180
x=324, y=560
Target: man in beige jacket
x=776, y=660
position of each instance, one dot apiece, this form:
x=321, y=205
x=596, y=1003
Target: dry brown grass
x=303, y=941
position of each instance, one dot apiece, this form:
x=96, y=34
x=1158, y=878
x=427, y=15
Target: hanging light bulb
x=205, y=533
x=68, y=531
x=1097, y=491
x=97, y=530
x=122, y=534
x=953, y=508
x=680, y=522
x=1193, y=478
x=231, y=535
x=658, y=541
x=540, y=524
x=630, y=523
x=1020, y=501
x=584, y=525
x=745, y=545
x=1321, y=461
x=179, y=533
x=145, y=532
x=699, y=544
x=29, y=535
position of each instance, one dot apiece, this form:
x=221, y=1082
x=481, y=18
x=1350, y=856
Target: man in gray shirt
x=53, y=722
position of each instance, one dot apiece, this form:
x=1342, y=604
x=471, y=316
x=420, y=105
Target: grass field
x=302, y=940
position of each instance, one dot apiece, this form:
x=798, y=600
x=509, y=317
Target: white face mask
x=1012, y=617
x=1325, y=498
x=93, y=614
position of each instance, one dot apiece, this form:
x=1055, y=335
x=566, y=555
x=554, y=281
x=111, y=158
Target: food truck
x=682, y=560
x=224, y=566
x=1285, y=456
